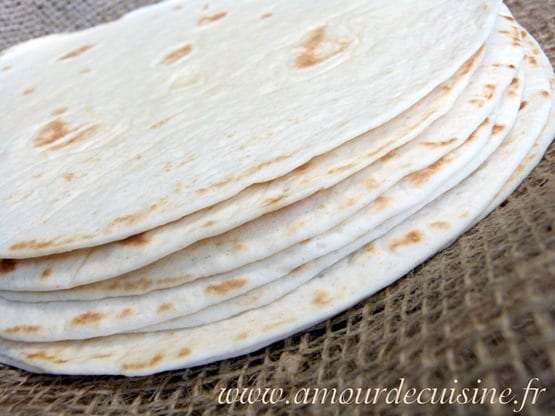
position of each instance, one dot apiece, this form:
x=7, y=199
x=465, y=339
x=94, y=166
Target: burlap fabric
x=482, y=309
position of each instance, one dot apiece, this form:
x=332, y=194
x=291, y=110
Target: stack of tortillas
x=195, y=181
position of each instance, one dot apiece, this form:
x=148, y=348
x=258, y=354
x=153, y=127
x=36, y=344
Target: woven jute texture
x=483, y=309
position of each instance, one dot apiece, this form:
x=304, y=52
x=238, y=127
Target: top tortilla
x=99, y=148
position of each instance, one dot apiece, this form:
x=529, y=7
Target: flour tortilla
x=208, y=109
x=351, y=198
x=340, y=287
x=62, y=319
x=90, y=265
x=362, y=221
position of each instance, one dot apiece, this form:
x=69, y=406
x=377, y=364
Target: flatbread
x=340, y=287
x=208, y=109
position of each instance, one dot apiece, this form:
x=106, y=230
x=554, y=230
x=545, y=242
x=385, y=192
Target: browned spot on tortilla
x=545, y=93
x=368, y=249
x=303, y=167
x=7, y=265
x=85, y=71
x=143, y=364
x=497, y=128
x=51, y=132
x=241, y=336
x=27, y=329
x=177, y=54
x=42, y=355
x=82, y=135
x=136, y=240
x=523, y=104
x=126, y=313
x=58, y=111
x=340, y=169
x=6, y=68
x=299, y=268
x=388, y=156
x=412, y=237
x=509, y=18
x=87, y=318
x=68, y=177
x=464, y=214
x=184, y=352
x=208, y=223
x=161, y=123
x=490, y=91
x=423, y=175
x=42, y=244
x=266, y=15
x=279, y=323
x=382, y=202
x=101, y=356
x=226, y=286
x=532, y=60
x=76, y=52
x=29, y=90
x=470, y=63
x=371, y=183
x=321, y=298
x=142, y=283
x=166, y=307
x=203, y=21
x=240, y=247
x=446, y=142
x=440, y=224
x=272, y=200
x=137, y=216
x=477, y=101
x=173, y=280
x=263, y=165
x=45, y=274
x=309, y=56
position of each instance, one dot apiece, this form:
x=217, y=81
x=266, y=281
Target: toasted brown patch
x=446, y=142
x=266, y=15
x=80, y=136
x=209, y=223
x=411, y=238
x=161, y=123
x=421, y=176
x=42, y=244
x=136, y=240
x=87, y=318
x=523, y=104
x=226, y=286
x=279, y=323
x=51, y=132
x=6, y=68
x=241, y=336
x=76, y=52
x=139, y=215
x=46, y=273
x=184, y=352
x=42, y=355
x=371, y=183
x=85, y=71
x=491, y=90
x=532, y=60
x=240, y=247
x=440, y=224
x=545, y=93
x=126, y=313
x=68, y=177
x=303, y=167
x=7, y=265
x=477, y=102
x=58, y=111
x=273, y=200
x=315, y=39
x=127, y=285
x=382, y=202
x=29, y=90
x=368, y=249
x=203, y=21
x=321, y=298
x=27, y=329
x=470, y=63
x=509, y=18
x=101, y=356
x=497, y=128
x=143, y=364
x=166, y=307
x=388, y=156
x=177, y=54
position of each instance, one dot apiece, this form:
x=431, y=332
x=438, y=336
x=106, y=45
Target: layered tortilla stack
x=251, y=170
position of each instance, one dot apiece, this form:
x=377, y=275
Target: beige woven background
x=482, y=309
